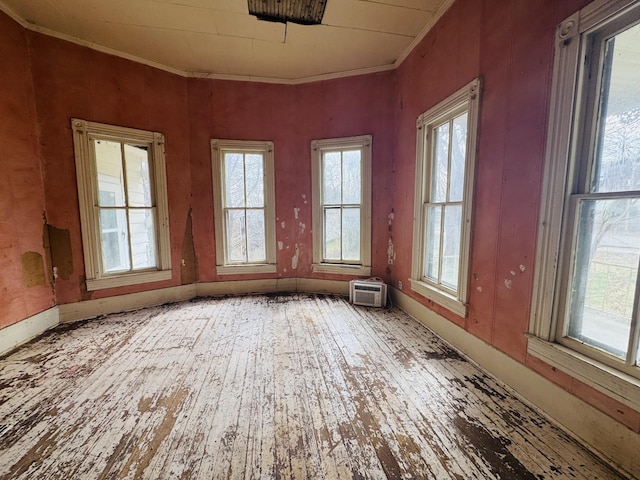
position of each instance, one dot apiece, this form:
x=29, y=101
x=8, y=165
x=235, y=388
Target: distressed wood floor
x=304, y=387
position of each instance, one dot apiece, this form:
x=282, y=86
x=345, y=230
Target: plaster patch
x=294, y=259
x=507, y=283
x=32, y=269
x=280, y=245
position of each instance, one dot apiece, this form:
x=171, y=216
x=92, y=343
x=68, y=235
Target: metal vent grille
x=304, y=12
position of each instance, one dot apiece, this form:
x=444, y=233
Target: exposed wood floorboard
x=273, y=387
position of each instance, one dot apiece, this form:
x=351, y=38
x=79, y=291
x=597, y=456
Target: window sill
x=245, y=269
x=341, y=269
x=613, y=383
x=441, y=298
x=127, y=279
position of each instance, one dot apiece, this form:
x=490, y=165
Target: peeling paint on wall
x=189, y=264
x=302, y=227
x=294, y=259
x=391, y=254
x=60, y=248
x=32, y=269
x=296, y=212
x=507, y=283
x=280, y=245
x=390, y=217
x=282, y=224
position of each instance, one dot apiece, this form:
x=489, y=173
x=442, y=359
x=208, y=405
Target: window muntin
x=123, y=204
x=445, y=158
x=599, y=316
x=342, y=205
x=244, y=206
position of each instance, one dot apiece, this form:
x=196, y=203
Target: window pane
x=256, y=248
x=143, y=238
x=618, y=159
x=332, y=178
x=605, y=273
x=432, y=242
x=236, y=240
x=440, y=164
x=351, y=177
x=458, y=156
x=332, y=234
x=234, y=179
x=451, y=245
x=114, y=237
x=110, y=176
x=351, y=234
x=255, y=180
x=138, y=177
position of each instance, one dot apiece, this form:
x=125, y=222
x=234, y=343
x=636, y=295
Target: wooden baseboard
x=608, y=438
x=18, y=333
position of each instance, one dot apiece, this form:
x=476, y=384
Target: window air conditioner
x=370, y=293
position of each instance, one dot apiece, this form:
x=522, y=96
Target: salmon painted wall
x=25, y=281
x=74, y=81
x=291, y=116
x=510, y=46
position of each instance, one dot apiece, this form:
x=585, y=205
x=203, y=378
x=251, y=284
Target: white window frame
x=318, y=147
x=555, y=233
x=83, y=134
x=466, y=99
x=223, y=266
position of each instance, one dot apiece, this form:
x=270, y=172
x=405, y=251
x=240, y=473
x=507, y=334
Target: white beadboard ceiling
x=219, y=39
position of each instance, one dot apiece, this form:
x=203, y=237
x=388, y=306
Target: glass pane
x=605, y=273
x=351, y=177
x=618, y=159
x=138, y=176
x=332, y=178
x=332, y=234
x=114, y=237
x=143, y=238
x=458, y=158
x=110, y=176
x=234, y=179
x=432, y=242
x=451, y=245
x=256, y=248
x=255, y=180
x=351, y=234
x=440, y=164
x=236, y=240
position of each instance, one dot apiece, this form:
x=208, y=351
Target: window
x=585, y=315
x=123, y=204
x=341, y=194
x=244, y=206
x=445, y=159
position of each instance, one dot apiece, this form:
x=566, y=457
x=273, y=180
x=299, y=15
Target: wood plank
x=279, y=386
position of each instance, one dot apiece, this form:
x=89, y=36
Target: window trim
x=466, y=99
x=266, y=148
x=83, y=132
x=568, y=106
x=364, y=143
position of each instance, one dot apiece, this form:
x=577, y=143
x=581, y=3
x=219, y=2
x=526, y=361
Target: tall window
x=590, y=224
x=342, y=205
x=444, y=188
x=244, y=206
x=123, y=204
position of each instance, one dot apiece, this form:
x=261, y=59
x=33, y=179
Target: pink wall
x=290, y=116
x=25, y=282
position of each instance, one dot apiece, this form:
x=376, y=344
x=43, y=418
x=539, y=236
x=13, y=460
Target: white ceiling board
x=378, y=17
x=220, y=38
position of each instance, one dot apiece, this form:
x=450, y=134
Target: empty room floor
x=273, y=387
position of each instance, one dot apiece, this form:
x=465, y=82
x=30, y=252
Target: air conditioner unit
x=370, y=293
